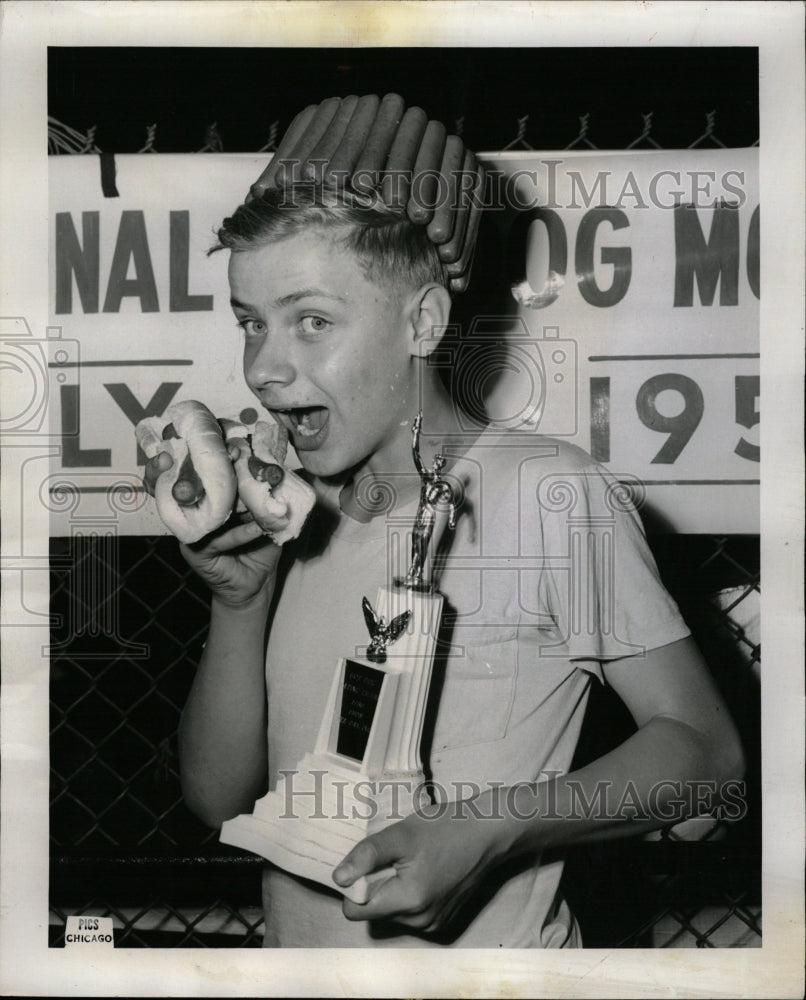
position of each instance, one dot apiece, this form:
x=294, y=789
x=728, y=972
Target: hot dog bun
x=196, y=495
x=267, y=489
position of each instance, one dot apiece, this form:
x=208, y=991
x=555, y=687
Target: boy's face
x=326, y=351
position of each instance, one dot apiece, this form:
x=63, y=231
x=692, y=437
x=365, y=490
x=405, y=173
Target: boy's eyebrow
x=305, y=293
x=240, y=305
x=291, y=297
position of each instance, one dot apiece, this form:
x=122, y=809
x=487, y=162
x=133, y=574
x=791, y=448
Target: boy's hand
x=441, y=854
x=236, y=561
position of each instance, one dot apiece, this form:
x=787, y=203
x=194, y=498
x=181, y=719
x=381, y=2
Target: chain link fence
x=124, y=845
x=63, y=139
x=129, y=619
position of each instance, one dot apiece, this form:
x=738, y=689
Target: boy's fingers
x=233, y=538
x=378, y=851
x=154, y=468
x=391, y=897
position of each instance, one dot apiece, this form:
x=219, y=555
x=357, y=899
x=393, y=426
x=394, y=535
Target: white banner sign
x=143, y=318
x=633, y=327
x=637, y=282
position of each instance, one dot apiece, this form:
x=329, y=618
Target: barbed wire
x=213, y=142
x=63, y=139
x=582, y=137
x=151, y=132
x=271, y=145
x=519, y=138
x=710, y=118
x=645, y=134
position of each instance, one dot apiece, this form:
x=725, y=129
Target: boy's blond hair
x=393, y=251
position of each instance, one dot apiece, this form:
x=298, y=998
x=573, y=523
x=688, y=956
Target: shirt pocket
x=478, y=691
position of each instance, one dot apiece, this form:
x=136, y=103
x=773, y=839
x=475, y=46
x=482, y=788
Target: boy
x=342, y=300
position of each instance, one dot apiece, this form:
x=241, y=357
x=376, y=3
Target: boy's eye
x=252, y=327
x=314, y=324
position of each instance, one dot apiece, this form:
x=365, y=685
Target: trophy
x=365, y=770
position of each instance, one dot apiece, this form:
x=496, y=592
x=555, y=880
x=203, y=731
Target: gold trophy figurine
x=436, y=496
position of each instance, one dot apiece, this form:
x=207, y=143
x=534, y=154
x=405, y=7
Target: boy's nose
x=271, y=365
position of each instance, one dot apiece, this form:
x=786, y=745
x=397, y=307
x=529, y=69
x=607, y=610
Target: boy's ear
x=429, y=313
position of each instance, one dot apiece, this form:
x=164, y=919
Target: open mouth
x=306, y=422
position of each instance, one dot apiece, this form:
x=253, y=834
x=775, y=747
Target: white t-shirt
x=546, y=574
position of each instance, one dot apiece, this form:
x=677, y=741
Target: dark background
x=122, y=91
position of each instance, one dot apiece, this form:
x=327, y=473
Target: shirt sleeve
x=599, y=582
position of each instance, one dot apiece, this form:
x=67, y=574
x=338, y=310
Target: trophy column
x=365, y=771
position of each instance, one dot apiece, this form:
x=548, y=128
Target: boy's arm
x=222, y=736
x=686, y=743
x=223, y=733
x=685, y=736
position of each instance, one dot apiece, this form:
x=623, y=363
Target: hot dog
x=343, y=161
x=450, y=251
x=440, y=227
x=196, y=495
x=455, y=269
x=396, y=183
x=319, y=157
x=373, y=157
x=295, y=130
x=265, y=487
x=291, y=167
x=424, y=182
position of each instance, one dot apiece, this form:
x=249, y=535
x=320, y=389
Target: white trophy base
x=307, y=850
x=309, y=829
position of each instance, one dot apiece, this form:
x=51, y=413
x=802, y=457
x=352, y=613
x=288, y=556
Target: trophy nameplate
x=365, y=770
